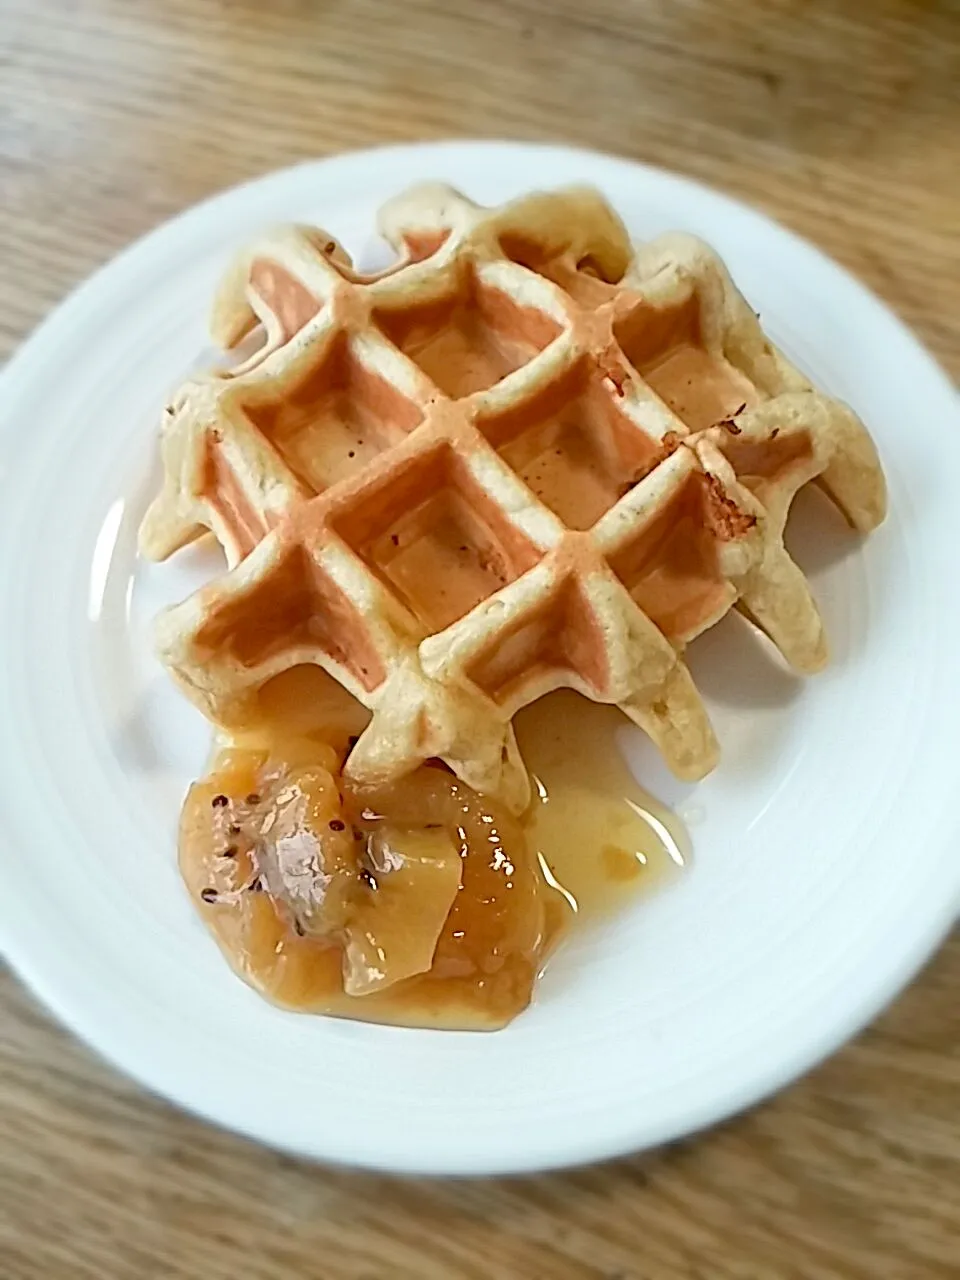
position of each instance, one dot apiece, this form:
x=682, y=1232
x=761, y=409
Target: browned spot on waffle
x=730, y=424
x=724, y=517
x=612, y=369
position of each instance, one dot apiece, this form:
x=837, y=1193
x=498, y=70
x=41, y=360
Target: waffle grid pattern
x=526, y=456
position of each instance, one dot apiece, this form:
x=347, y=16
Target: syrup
x=462, y=885
x=598, y=834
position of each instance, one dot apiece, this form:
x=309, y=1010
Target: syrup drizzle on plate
x=600, y=837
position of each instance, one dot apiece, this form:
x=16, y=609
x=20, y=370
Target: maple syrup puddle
x=421, y=903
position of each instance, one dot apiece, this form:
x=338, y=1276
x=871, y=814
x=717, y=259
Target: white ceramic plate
x=826, y=864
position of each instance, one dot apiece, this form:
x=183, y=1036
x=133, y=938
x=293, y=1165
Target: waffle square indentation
x=436, y=538
x=574, y=446
x=471, y=338
x=337, y=419
x=665, y=346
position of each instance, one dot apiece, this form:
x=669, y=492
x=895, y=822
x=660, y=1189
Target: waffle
x=526, y=456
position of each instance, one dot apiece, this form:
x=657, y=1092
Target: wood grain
x=841, y=119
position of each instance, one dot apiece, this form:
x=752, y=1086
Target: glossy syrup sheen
x=602, y=837
x=592, y=840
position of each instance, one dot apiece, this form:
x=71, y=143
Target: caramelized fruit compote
x=421, y=903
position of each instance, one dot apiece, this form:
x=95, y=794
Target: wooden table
x=842, y=119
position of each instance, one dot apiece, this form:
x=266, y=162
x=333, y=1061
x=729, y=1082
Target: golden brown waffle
x=524, y=457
